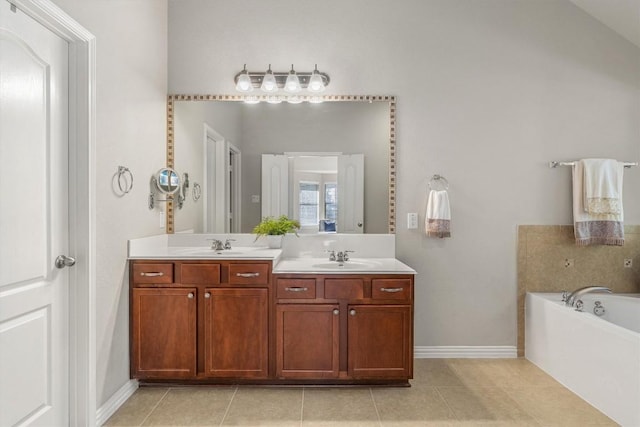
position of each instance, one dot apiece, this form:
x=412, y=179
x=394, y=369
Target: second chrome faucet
x=340, y=256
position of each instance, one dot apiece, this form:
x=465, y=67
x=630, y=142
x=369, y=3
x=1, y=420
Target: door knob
x=65, y=261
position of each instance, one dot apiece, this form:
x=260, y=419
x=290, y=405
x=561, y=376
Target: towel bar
x=556, y=164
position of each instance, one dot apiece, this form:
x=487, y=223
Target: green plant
x=270, y=226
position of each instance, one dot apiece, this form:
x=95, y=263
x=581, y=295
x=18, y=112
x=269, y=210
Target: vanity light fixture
x=291, y=81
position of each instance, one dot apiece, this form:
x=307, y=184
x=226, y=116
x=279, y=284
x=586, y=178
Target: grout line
x=302, y=408
x=228, y=406
x=375, y=406
x=154, y=407
x=446, y=403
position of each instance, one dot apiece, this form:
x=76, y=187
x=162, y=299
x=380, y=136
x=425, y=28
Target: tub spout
x=571, y=299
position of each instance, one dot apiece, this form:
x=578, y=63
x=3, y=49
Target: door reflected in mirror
x=323, y=191
x=222, y=142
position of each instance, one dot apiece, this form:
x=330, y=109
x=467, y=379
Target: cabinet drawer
x=248, y=274
x=399, y=289
x=296, y=288
x=153, y=273
x=344, y=288
x=193, y=274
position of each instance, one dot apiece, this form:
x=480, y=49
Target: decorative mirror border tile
x=325, y=98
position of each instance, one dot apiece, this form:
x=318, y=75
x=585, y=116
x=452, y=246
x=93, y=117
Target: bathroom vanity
x=252, y=316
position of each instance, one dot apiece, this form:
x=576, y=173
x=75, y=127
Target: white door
x=275, y=185
x=34, y=337
x=222, y=184
x=350, y=193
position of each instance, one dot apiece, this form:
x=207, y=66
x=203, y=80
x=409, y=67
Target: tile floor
x=444, y=392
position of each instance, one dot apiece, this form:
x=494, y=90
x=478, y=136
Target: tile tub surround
x=444, y=392
x=543, y=249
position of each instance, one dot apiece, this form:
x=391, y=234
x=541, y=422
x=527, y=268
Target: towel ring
x=438, y=180
x=124, y=180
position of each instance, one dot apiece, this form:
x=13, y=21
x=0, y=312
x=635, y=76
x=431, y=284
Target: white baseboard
x=465, y=352
x=115, y=401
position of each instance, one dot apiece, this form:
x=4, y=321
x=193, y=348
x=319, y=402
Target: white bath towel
x=594, y=228
x=438, y=219
x=602, y=184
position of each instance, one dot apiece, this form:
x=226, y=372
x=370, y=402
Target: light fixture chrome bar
x=281, y=78
x=556, y=164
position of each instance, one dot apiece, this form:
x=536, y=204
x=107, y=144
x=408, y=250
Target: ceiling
x=622, y=16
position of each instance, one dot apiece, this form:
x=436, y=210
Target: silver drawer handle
x=296, y=289
x=152, y=274
x=190, y=295
x=392, y=290
x=207, y=295
x=352, y=312
x=247, y=274
x=336, y=311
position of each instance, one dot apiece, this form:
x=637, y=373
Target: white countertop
x=354, y=265
x=203, y=252
x=307, y=258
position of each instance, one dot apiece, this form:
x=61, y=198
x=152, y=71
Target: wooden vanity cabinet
x=236, y=332
x=193, y=320
x=163, y=332
x=346, y=327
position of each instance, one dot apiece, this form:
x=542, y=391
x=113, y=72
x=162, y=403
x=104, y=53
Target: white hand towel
x=593, y=228
x=602, y=184
x=438, y=218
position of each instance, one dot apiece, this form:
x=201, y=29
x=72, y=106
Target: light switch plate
x=412, y=220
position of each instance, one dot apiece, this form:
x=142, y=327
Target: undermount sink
x=210, y=252
x=347, y=265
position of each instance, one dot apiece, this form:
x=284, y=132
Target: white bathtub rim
x=590, y=318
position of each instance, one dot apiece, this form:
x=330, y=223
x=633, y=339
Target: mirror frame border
x=170, y=147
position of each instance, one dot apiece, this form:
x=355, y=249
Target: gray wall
x=488, y=92
x=131, y=88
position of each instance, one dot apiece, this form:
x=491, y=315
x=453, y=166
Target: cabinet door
x=236, y=333
x=307, y=340
x=380, y=341
x=163, y=333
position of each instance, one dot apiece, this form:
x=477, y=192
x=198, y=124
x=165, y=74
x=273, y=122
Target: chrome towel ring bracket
x=196, y=192
x=122, y=181
x=438, y=182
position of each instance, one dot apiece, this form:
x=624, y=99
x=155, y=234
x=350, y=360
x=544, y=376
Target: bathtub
x=598, y=358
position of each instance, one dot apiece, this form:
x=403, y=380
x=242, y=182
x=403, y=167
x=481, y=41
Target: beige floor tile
x=265, y=407
x=500, y=373
x=484, y=405
x=555, y=406
x=523, y=373
x=134, y=411
x=192, y=406
x=347, y=406
x=434, y=372
x=418, y=404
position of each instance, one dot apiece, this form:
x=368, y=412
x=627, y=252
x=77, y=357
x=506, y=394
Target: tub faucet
x=573, y=296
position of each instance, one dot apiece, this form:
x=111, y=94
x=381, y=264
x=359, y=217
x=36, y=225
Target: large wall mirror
x=313, y=161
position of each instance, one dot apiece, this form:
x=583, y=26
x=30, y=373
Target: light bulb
x=315, y=82
x=292, y=84
x=269, y=83
x=244, y=81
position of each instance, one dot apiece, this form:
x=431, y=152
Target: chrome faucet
x=341, y=256
x=217, y=245
x=573, y=296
